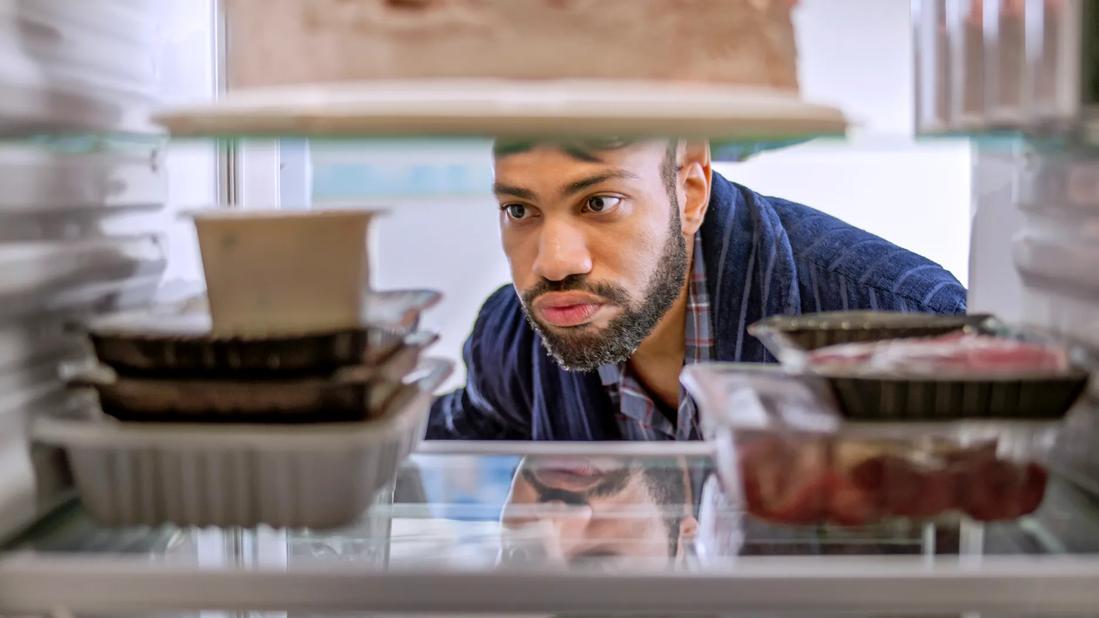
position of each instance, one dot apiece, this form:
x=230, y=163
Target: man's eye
x=517, y=212
x=602, y=203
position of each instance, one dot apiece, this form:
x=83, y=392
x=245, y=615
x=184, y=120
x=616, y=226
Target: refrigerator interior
x=113, y=232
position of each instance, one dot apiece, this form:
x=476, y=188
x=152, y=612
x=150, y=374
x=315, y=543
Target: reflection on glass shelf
x=649, y=513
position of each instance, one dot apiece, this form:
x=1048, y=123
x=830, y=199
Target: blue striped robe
x=764, y=256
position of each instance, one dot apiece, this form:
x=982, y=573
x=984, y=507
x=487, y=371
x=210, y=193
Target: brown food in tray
x=811, y=480
x=349, y=394
x=182, y=344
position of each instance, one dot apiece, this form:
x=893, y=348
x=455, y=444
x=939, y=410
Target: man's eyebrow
x=502, y=189
x=594, y=554
x=584, y=183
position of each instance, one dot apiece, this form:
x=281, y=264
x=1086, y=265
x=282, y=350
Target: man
x=631, y=259
x=580, y=511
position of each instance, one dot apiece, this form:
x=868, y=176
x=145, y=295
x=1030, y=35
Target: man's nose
x=562, y=252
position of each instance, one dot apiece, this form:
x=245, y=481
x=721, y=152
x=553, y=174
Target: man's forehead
x=582, y=151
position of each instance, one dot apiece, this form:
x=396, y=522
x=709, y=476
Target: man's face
x=585, y=509
x=594, y=241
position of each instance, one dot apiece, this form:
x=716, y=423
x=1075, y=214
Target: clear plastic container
x=933, y=65
x=1059, y=256
x=1062, y=184
x=1056, y=262
x=1053, y=55
x=1005, y=61
x=967, y=60
x=786, y=454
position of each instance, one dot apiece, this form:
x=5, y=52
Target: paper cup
x=285, y=272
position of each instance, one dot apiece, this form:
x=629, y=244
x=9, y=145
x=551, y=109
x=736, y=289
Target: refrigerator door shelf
x=27, y=341
x=1060, y=281
x=125, y=22
x=1063, y=263
x=38, y=179
x=32, y=268
x=1060, y=185
x=81, y=224
x=67, y=100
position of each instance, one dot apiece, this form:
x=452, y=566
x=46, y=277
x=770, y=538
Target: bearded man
x=630, y=259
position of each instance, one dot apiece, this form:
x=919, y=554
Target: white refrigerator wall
x=187, y=72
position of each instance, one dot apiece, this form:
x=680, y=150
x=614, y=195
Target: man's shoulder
x=839, y=250
x=501, y=328
x=503, y=302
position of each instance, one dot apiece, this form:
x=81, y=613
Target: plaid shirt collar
x=638, y=417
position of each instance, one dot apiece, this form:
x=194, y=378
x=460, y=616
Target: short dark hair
x=588, y=152
x=581, y=150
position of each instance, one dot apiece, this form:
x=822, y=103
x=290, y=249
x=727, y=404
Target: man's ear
x=693, y=182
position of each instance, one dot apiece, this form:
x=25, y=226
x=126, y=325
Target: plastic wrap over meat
x=953, y=354
x=785, y=452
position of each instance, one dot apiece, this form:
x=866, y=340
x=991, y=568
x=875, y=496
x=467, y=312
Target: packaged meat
x=807, y=479
x=955, y=354
x=788, y=456
x=916, y=367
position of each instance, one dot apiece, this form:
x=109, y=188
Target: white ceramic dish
x=316, y=476
x=479, y=107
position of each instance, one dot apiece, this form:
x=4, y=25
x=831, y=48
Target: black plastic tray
x=349, y=394
x=180, y=344
x=890, y=398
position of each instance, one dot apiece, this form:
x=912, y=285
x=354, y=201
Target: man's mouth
x=567, y=309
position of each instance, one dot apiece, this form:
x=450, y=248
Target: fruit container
x=788, y=456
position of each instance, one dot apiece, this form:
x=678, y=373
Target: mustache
x=578, y=283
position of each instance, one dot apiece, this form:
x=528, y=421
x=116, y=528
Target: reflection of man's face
x=586, y=509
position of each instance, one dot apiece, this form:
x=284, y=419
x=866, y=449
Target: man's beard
x=584, y=348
